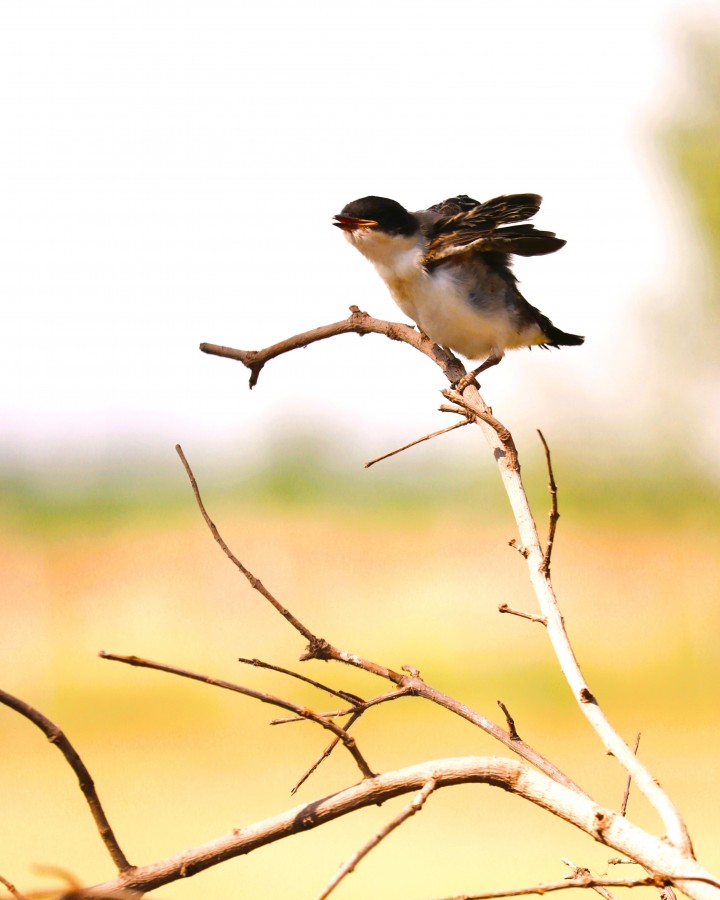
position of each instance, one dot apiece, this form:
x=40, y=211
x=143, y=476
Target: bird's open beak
x=348, y=223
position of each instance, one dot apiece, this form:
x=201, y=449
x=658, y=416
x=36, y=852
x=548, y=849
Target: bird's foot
x=470, y=377
x=466, y=381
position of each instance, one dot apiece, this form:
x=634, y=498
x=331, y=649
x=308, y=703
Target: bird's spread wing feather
x=465, y=226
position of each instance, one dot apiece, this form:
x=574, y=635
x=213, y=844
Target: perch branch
x=661, y=858
x=57, y=737
x=414, y=806
x=348, y=741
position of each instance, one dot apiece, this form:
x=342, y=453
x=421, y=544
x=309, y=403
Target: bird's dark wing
x=461, y=203
x=464, y=228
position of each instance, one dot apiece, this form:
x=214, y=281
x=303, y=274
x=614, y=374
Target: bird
x=448, y=268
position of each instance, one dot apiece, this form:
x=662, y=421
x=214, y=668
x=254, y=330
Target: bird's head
x=372, y=224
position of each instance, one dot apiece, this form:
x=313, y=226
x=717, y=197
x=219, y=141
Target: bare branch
x=56, y=736
x=580, y=873
x=506, y=457
x=416, y=805
x=605, y=826
x=348, y=741
x=354, y=714
x=567, y=884
x=626, y=795
x=426, y=437
x=325, y=754
x=504, y=608
x=359, y=323
x=12, y=889
x=343, y=695
x=554, y=514
x=255, y=583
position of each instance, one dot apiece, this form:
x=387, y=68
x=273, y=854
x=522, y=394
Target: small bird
x=448, y=268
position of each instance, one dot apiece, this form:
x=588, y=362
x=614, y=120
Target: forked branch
x=505, y=453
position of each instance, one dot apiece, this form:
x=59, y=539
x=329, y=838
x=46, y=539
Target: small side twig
x=626, y=795
x=12, y=889
x=57, y=737
x=504, y=608
x=354, y=716
x=254, y=582
x=567, y=884
x=343, y=695
x=554, y=515
x=581, y=873
x=348, y=741
x=414, y=806
x=512, y=730
x=426, y=437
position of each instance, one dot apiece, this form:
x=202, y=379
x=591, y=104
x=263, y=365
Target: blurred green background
x=404, y=563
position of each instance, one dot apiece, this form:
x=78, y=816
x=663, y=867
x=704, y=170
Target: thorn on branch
x=504, y=608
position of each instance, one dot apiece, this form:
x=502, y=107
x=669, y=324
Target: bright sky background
x=169, y=171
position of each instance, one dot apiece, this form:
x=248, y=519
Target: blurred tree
x=693, y=144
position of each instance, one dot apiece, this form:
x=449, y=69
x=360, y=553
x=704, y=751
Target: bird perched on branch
x=448, y=268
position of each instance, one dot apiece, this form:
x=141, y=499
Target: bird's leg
x=491, y=361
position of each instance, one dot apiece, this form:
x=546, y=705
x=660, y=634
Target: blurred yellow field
x=177, y=763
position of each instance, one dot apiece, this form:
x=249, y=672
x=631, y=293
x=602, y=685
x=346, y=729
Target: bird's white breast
x=438, y=301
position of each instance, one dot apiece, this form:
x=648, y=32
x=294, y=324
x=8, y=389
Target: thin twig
x=512, y=730
x=348, y=741
x=581, y=873
x=504, y=608
x=568, y=884
x=325, y=753
x=416, y=805
x=343, y=695
x=254, y=582
x=554, y=515
x=426, y=437
x=57, y=737
x=626, y=795
x=515, y=776
x=12, y=889
x=354, y=716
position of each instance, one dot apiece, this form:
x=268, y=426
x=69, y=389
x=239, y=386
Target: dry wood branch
x=426, y=437
x=569, y=883
x=505, y=453
x=626, y=795
x=12, y=889
x=57, y=737
x=254, y=582
x=414, y=806
x=359, y=323
x=348, y=741
x=554, y=515
x=343, y=695
x=605, y=826
x=504, y=608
